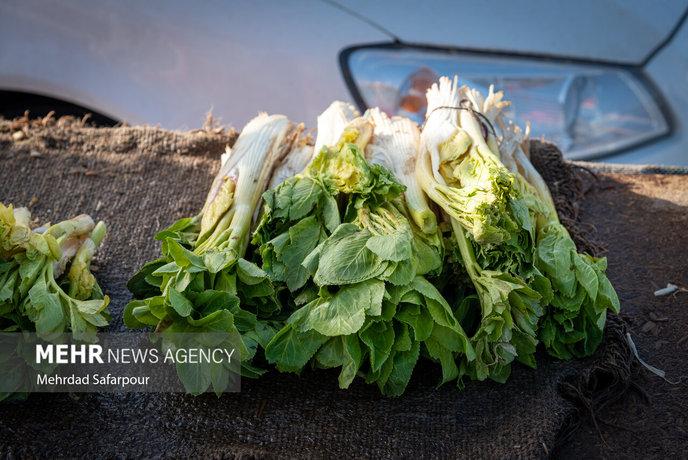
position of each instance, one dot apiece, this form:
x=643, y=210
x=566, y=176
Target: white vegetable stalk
x=68, y=248
x=294, y=163
x=426, y=174
x=81, y=280
x=238, y=186
x=440, y=123
x=395, y=145
x=70, y=235
x=440, y=127
x=513, y=142
x=76, y=226
x=450, y=118
x=331, y=124
x=358, y=132
x=450, y=105
x=22, y=216
x=490, y=108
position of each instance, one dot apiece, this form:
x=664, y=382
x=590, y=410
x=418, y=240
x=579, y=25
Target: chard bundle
x=46, y=284
x=360, y=236
x=202, y=282
x=529, y=281
x=574, y=319
x=343, y=244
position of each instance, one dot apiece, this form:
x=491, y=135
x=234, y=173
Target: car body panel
x=169, y=63
x=621, y=31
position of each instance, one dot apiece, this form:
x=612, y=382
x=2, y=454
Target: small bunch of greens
x=395, y=145
x=574, y=320
x=202, y=283
x=530, y=283
x=493, y=230
x=338, y=242
x=46, y=284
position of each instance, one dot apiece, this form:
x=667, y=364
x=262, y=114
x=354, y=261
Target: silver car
x=601, y=78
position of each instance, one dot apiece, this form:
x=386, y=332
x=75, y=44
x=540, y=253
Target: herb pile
x=339, y=238
x=380, y=246
x=202, y=283
x=530, y=283
x=46, y=285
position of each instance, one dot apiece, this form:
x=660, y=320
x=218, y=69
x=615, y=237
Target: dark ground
x=643, y=222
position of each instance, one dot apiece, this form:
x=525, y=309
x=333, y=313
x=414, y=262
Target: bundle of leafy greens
x=493, y=230
x=395, y=145
x=202, y=283
x=573, y=323
x=46, y=284
x=338, y=241
x=530, y=283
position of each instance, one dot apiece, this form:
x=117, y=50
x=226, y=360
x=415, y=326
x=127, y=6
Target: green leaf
x=210, y=301
x=290, y=349
x=554, y=253
x=330, y=212
x=196, y=377
x=216, y=260
x=137, y=315
x=344, y=352
x=525, y=345
x=303, y=238
x=379, y=337
x=45, y=310
x=402, y=341
x=452, y=340
x=586, y=276
x=219, y=378
x=344, y=313
x=330, y=354
x=428, y=258
x=607, y=297
x=98, y=320
x=139, y=286
x=249, y=273
x=351, y=361
x=402, y=272
x=81, y=329
x=29, y=270
x=345, y=258
x=310, y=263
x=182, y=280
x=182, y=256
x=90, y=307
x=184, y=224
x=225, y=281
x=421, y=322
x=181, y=304
x=259, y=290
x=7, y=285
x=395, y=247
x=404, y=363
x=219, y=321
x=445, y=357
x=304, y=196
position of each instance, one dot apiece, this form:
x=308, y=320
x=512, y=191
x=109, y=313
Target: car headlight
x=588, y=110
